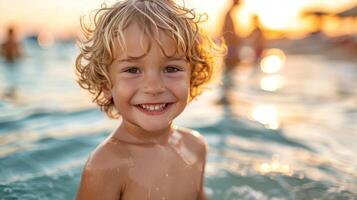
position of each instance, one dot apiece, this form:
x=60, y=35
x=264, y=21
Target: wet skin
x=147, y=157
x=132, y=169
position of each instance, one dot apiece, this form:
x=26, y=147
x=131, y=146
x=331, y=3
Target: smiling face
x=149, y=89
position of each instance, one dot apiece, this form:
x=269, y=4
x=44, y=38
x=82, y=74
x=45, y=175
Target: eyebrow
x=130, y=58
x=135, y=58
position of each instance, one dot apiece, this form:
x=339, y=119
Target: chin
x=155, y=127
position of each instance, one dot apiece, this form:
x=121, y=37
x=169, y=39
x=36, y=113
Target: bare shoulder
x=194, y=139
x=104, y=174
x=108, y=155
x=191, y=134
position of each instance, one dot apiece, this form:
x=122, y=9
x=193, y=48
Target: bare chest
x=163, y=173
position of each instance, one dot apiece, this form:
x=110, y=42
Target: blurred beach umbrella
x=319, y=14
x=351, y=12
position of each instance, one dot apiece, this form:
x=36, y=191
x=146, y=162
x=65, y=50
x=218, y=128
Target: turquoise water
x=291, y=135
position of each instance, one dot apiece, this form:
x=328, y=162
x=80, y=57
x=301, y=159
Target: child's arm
x=201, y=195
x=99, y=184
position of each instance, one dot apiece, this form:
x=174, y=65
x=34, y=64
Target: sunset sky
x=62, y=16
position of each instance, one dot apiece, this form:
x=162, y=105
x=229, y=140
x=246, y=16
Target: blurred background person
x=11, y=51
x=257, y=39
x=231, y=60
x=231, y=38
x=11, y=48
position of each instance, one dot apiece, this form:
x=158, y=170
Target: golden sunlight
x=275, y=14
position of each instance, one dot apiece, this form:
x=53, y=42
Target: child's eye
x=171, y=69
x=132, y=70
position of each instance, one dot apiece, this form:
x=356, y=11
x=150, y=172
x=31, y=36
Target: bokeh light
x=266, y=115
x=271, y=83
x=273, y=61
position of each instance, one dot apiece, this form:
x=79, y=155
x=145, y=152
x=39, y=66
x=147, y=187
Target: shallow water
x=294, y=141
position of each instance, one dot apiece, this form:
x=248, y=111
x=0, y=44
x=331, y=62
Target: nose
x=153, y=84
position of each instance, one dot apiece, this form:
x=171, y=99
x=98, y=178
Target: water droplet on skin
x=167, y=175
x=157, y=189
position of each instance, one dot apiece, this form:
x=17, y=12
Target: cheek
x=122, y=91
x=180, y=87
x=185, y=88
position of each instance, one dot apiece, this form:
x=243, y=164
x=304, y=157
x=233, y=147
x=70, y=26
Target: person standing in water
x=11, y=48
x=144, y=60
x=257, y=39
x=231, y=60
x=11, y=51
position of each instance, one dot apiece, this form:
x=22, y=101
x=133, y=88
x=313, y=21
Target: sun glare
x=275, y=14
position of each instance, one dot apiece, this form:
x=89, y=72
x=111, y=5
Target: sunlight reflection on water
x=286, y=135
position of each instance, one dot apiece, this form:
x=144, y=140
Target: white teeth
x=153, y=107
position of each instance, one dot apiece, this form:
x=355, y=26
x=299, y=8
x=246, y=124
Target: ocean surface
x=287, y=134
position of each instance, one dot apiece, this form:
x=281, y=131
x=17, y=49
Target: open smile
x=154, y=108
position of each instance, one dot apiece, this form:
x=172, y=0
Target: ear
x=106, y=88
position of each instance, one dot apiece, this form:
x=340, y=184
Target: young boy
x=144, y=60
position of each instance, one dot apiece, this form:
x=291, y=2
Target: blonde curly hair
x=107, y=26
